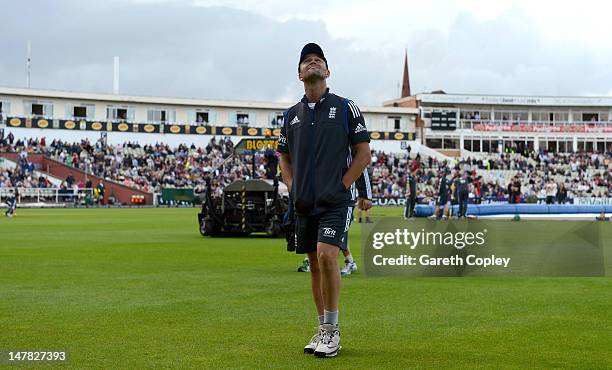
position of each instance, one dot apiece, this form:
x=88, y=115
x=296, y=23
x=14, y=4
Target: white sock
x=331, y=317
x=349, y=258
x=321, y=319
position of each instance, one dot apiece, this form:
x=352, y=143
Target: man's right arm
x=286, y=170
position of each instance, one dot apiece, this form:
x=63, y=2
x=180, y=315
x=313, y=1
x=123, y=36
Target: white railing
x=46, y=195
x=537, y=126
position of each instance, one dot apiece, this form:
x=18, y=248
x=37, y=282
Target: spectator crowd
x=538, y=177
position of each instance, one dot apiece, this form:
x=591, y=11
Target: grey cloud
x=177, y=49
x=168, y=49
x=506, y=56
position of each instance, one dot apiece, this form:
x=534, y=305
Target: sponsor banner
x=254, y=131
x=68, y=125
x=201, y=130
x=227, y=130
x=15, y=122
x=146, y=128
x=121, y=126
x=523, y=127
x=95, y=126
x=170, y=128
x=260, y=145
x=388, y=202
x=593, y=201
x=399, y=201
x=459, y=248
x=40, y=123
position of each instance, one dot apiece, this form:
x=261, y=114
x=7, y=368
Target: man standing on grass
x=324, y=146
x=11, y=203
x=411, y=192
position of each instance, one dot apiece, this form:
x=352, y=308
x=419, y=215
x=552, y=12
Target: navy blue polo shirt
x=319, y=141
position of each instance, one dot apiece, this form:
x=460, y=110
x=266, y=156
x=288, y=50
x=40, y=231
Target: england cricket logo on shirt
x=332, y=112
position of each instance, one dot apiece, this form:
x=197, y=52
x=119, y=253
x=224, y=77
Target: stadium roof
x=60, y=94
x=527, y=100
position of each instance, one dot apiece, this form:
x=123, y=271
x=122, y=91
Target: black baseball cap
x=312, y=48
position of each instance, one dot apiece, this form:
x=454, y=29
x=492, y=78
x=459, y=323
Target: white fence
x=48, y=195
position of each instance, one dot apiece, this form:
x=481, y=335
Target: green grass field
x=140, y=288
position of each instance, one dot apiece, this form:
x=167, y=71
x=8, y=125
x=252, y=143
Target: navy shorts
x=442, y=200
x=329, y=227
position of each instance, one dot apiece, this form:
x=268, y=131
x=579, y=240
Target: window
x=451, y=143
x=5, y=109
x=475, y=114
x=590, y=117
x=277, y=120
x=529, y=144
x=38, y=109
x=161, y=115
x=202, y=118
x=395, y=122
x=242, y=119
x=197, y=116
x=539, y=116
x=120, y=113
x=503, y=116
x=601, y=116
x=542, y=144
x=434, y=143
x=80, y=111
x=467, y=144
x=512, y=116
x=476, y=145
x=494, y=146
x=560, y=116
x=520, y=116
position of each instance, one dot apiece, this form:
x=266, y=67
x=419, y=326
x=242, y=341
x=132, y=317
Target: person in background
x=11, y=203
x=561, y=194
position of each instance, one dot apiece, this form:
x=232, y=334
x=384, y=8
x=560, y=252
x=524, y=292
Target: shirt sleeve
x=283, y=146
x=357, y=130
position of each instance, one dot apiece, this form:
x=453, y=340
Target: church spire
x=405, y=79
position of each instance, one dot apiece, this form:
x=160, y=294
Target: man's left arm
x=360, y=144
x=364, y=191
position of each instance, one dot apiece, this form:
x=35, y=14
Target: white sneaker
x=349, y=267
x=330, y=341
x=314, y=342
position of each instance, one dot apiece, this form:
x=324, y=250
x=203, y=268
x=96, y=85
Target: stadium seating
x=153, y=167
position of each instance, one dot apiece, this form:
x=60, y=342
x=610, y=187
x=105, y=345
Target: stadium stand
x=152, y=167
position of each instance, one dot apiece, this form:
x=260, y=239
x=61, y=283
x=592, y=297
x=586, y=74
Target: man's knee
x=314, y=262
x=327, y=255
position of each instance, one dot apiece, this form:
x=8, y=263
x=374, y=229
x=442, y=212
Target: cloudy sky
x=248, y=50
